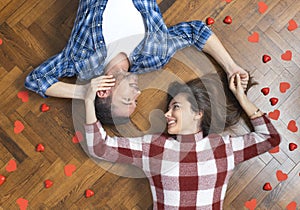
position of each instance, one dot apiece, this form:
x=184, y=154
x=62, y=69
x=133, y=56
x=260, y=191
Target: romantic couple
x=190, y=166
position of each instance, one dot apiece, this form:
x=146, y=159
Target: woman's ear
x=198, y=115
x=103, y=93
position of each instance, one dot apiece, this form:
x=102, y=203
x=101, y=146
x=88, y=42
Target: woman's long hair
x=211, y=95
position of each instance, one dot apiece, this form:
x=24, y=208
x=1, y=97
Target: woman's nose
x=168, y=113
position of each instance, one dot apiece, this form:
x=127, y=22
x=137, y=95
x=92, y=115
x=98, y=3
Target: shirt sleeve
x=113, y=149
x=264, y=138
x=194, y=33
x=48, y=73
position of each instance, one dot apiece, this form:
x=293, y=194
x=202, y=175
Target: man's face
x=125, y=94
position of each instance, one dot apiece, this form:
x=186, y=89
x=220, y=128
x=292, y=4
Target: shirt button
x=98, y=24
x=83, y=51
x=101, y=42
x=101, y=7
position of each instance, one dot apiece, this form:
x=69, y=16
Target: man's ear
x=103, y=93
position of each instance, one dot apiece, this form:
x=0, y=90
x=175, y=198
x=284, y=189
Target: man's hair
x=104, y=112
x=211, y=96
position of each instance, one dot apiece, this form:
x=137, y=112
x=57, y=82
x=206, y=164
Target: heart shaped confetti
x=228, y=1
x=254, y=37
x=48, y=183
x=2, y=179
x=18, y=127
x=89, y=193
x=267, y=186
x=1, y=42
x=292, y=146
x=45, y=108
x=266, y=58
x=287, y=56
x=23, y=95
x=281, y=176
x=262, y=7
x=251, y=204
x=274, y=115
x=69, y=169
x=265, y=90
x=273, y=101
x=292, y=126
x=292, y=25
x=210, y=21
x=292, y=206
x=11, y=166
x=284, y=86
x=77, y=138
x=23, y=203
x=227, y=20
x=40, y=148
x=274, y=150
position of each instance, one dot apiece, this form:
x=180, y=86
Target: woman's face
x=181, y=119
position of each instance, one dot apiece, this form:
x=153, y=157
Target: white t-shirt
x=123, y=27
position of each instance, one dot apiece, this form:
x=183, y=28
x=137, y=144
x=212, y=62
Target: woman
x=191, y=167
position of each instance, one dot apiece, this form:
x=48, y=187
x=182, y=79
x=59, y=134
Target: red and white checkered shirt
x=187, y=171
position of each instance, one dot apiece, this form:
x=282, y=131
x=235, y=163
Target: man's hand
x=244, y=75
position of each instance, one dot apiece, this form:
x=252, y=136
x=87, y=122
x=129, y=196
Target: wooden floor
x=33, y=30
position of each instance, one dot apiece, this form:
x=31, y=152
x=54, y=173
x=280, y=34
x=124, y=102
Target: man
x=90, y=52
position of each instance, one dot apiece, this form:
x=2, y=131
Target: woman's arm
x=265, y=135
x=100, y=145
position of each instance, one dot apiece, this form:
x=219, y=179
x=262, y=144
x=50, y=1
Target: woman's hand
x=235, y=85
x=244, y=75
x=102, y=84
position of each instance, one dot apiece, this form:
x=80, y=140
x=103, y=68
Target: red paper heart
x=254, y=37
x=2, y=179
x=266, y=58
x=78, y=137
x=292, y=206
x=274, y=150
x=1, y=41
x=48, y=183
x=281, y=176
x=210, y=21
x=23, y=95
x=265, y=90
x=274, y=115
x=23, y=203
x=292, y=25
x=89, y=193
x=267, y=186
x=228, y=1
x=287, y=56
x=227, y=20
x=262, y=7
x=11, y=166
x=284, y=86
x=69, y=169
x=273, y=101
x=292, y=146
x=40, y=148
x=251, y=204
x=19, y=127
x=45, y=108
x=292, y=126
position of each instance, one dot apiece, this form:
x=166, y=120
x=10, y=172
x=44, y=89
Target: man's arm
x=215, y=48
x=66, y=90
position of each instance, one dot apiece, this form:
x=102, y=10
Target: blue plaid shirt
x=86, y=51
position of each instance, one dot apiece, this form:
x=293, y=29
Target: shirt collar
x=190, y=138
